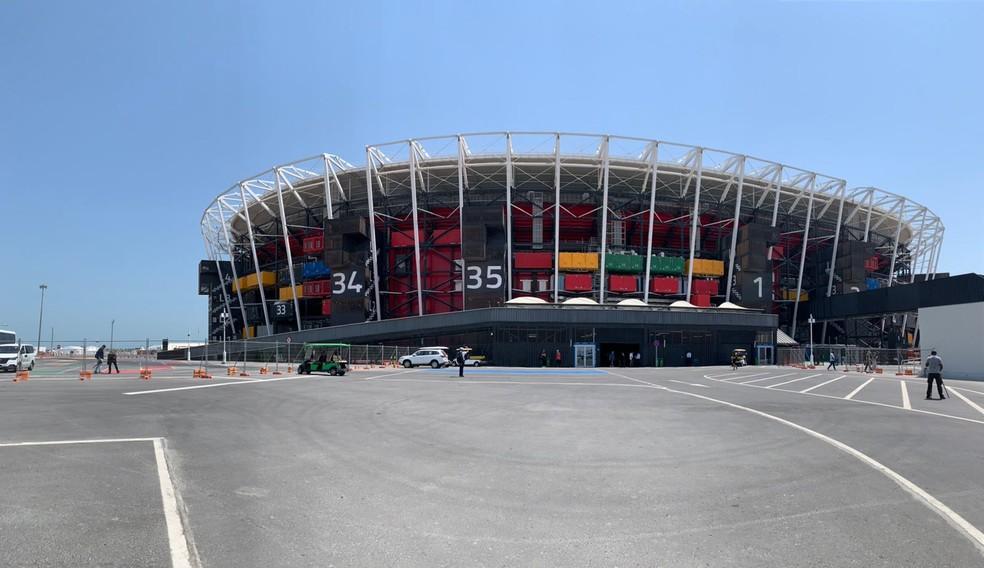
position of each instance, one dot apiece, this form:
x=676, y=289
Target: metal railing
x=905, y=361
x=284, y=352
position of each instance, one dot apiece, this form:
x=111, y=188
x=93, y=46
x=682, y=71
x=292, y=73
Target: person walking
x=558, y=358
x=832, y=362
x=638, y=359
x=934, y=371
x=460, y=361
x=100, y=355
x=111, y=362
x=611, y=358
x=543, y=357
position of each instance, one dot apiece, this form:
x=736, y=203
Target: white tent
x=526, y=301
x=632, y=303
x=580, y=302
x=682, y=304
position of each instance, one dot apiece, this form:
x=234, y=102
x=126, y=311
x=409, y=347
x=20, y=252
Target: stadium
x=588, y=244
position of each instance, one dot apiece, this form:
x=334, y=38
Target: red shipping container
x=664, y=285
x=705, y=286
x=622, y=283
x=533, y=260
x=326, y=307
x=871, y=264
x=701, y=300
x=317, y=288
x=313, y=244
x=577, y=282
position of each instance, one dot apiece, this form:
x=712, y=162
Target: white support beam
x=734, y=228
x=694, y=220
x=509, y=184
x=557, y=208
x=290, y=257
x=895, y=246
x=256, y=258
x=775, y=206
x=232, y=262
x=416, y=228
x=222, y=284
x=867, y=221
x=604, y=217
x=806, y=241
x=461, y=213
x=374, y=252
x=329, y=171
x=654, y=164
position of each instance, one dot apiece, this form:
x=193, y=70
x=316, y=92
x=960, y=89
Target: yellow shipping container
x=705, y=267
x=578, y=261
x=791, y=295
x=249, y=332
x=285, y=294
x=249, y=281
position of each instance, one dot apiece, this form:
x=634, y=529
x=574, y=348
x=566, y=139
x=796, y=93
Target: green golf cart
x=323, y=358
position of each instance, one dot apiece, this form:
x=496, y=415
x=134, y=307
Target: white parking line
x=691, y=384
x=792, y=381
x=212, y=385
x=857, y=390
x=764, y=379
x=905, y=396
x=180, y=554
x=64, y=442
x=744, y=376
x=821, y=384
x=972, y=404
x=972, y=533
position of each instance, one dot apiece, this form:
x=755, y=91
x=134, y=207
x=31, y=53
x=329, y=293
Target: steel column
x=461, y=214
x=694, y=218
x=775, y=206
x=372, y=233
x=604, y=217
x=256, y=259
x=329, y=209
x=806, y=242
x=556, y=218
x=509, y=184
x=833, y=255
x=734, y=228
x=654, y=164
x=222, y=284
x=867, y=221
x=895, y=247
x=232, y=263
x=416, y=228
x=290, y=257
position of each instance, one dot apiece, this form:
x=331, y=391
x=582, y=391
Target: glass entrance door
x=584, y=355
x=763, y=354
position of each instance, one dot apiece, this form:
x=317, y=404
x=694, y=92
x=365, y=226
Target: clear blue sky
x=121, y=120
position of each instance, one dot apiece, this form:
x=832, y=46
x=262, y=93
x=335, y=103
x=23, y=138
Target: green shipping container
x=666, y=265
x=624, y=263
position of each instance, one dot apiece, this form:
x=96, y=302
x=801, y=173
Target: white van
x=9, y=356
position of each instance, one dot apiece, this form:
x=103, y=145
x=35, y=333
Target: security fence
x=865, y=359
x=284, y=352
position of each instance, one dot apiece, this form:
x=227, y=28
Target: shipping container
x=700, y=300
x=621, y=283
x=316, y=288
x=666, y=265
x=577, y=282
x=326, y=307
x=313, y=244
x=533, y=261
x=625, y=263
x=578, y=261
x=706, y=267
x=315, y=270
x=249, y=282
x=705, y=286
x=405, y=238
x=664, y=285
x=284, y=293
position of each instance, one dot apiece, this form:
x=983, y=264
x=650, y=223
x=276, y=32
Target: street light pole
x=188, y=348
x=112, y=329
x=811, y=321
x=41, y=317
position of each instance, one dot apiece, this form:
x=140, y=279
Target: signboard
x=283, y=311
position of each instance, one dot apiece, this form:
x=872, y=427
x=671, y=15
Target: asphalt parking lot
x=764, y=466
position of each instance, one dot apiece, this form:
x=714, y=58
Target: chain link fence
x=273, y=352
x=907, y=361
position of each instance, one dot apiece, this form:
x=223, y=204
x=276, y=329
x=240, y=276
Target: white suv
x=9, y=356
x=436, y=358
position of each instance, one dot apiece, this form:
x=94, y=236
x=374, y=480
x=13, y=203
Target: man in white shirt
x=934, y=371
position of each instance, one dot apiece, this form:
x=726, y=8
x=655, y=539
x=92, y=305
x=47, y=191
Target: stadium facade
x=445, y=231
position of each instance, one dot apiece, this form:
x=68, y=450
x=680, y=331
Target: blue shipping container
x=315, y=270
x=871, y=283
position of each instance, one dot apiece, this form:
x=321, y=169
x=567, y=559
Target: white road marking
x=180, y=555
x=969, y=390
x=905, y=396
x=857, y=390
x=792, y=381
x=64, y=442
x=691, y=384
x=745, y=376
x=952, y=517
x=972, y=404
x=821, y=384
x=251, y=382
x=764, y=379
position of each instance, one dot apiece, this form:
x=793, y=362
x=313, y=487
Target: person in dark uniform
x=111, y=362
x=460, y=361
x=934, y=372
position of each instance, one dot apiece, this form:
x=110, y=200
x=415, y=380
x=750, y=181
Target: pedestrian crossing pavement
x=965, y=402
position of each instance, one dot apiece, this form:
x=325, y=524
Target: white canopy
x=526, y=301
x=632, y=302
x=580, y=302
x=682, y=304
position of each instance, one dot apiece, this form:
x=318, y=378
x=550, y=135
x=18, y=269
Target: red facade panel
x=664, y=285
x=314, y=244
x=317, y=288
x=708, y=286
x=326, y=307
x=700, y=300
